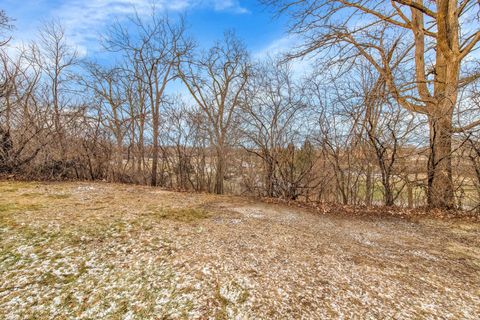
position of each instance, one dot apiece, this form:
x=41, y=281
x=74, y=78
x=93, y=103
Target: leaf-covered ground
x=106, y=251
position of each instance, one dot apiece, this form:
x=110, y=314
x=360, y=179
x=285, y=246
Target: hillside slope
x=95, y=250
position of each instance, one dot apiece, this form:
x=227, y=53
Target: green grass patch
x=13, y=186
x=18, y=207
x=7, y=207
x=32, y=194
x=96, y=208
x=9, y=258
x=180, y=214
x=59, y=196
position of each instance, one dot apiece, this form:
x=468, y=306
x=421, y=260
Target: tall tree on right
x=435, y=38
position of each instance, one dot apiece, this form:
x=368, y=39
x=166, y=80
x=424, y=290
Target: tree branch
x=467, y=127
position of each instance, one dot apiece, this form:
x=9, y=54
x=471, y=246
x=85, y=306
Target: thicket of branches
x=349, y=131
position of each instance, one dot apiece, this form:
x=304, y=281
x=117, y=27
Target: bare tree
x=441, y=40
x=474, y=157
x=344, y=133
x=295, y=171
x=179, y=131
x=5, y=24
x=339, y=145
x=271, y=117
x=154, y=49
x=57, y=58
x=216, y=82
x=138, y=109
x=25, y=129
x=468, y=163
x=386, y=128
x=110, y=92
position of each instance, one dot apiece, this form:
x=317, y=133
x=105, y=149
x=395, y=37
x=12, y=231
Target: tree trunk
x=440, y=182
x=202, y=184
x=475, y=159
x=269, y=178
x=118, y=158
x=153, y=181
x=410, y=195
x=368, y=186
x=220, y=171
x=6, y=147
x=447, y=70
x=141, y=153
x=388, y=197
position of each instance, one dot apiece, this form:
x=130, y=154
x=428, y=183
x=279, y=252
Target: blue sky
x=85, y=19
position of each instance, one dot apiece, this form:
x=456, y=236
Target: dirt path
x=89, y=251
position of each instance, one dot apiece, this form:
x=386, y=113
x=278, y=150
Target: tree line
x=388, y=113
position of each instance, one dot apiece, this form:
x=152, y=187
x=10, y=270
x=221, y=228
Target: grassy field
x=108, y=251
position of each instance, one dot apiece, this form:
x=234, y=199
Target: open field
x=107, y=251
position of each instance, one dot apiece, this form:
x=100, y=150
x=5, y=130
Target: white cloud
x=282, y=46
x=277, y=47
x=85, y=20
x=229, y=5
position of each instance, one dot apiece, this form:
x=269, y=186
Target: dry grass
x=106, y=251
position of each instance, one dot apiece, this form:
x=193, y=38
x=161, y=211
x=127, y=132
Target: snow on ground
x=106, y=251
